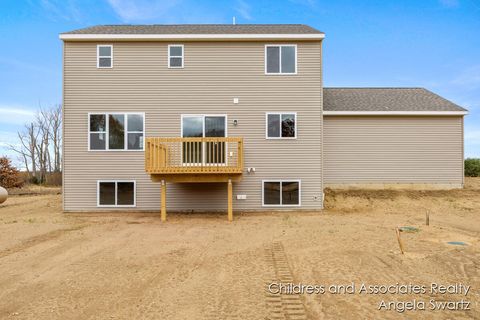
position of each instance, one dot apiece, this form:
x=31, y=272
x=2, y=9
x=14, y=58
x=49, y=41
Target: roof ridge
x=279, y=30
x=203, y=24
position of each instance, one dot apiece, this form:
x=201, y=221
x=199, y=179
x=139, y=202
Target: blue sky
x=429, y=43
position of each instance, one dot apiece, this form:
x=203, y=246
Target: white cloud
x=472, y=136
x=142, y=10
x=15, y=115
x=62, y=9
x=468, y=78
x=7, y=138
x=19, y=64
x=309, y=3
x=243, y=9
x=449, y=3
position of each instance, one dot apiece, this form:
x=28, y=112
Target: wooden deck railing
x=194, y=155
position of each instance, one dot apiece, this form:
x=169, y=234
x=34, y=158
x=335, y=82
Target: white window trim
x=125, y=143
x=203, y=116
x=203, y=120
x=110, y=56
x=280, y=138
x=281, y=181
x=116, y=195
x=182, y=56
x=280, y=61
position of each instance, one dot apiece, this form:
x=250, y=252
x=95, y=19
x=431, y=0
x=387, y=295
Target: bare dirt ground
x=132, y=266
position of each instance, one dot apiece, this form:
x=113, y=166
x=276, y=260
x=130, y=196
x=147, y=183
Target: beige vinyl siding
x=214, y=73
x=392, y=150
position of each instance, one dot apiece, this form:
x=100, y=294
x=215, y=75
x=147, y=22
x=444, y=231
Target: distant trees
x=9, y=175
x=472, y=167
x=41, y=144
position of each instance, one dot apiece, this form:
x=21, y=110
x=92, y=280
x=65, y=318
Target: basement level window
x=280, y=59
x=281, y=193
x=113, y=193
x=104, y=56
x=175, y=56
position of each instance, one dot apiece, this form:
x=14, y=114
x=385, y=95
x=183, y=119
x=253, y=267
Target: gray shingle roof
x=385, y=99
x=199, y=29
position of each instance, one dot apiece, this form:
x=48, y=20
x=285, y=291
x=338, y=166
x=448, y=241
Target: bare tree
x=26, y=149
x=40, y=140
x=42, y=122
x=56, y=134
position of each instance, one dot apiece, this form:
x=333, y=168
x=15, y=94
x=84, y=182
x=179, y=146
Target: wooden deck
x=194, y=156
x=192, y=160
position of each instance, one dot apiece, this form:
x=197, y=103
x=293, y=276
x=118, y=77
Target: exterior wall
x=214, y=73
x=393, y=150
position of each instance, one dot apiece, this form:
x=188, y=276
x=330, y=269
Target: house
x=216, y=117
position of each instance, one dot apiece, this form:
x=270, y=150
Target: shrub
x=34, y=180
x=9, y=175
x=472, y=167
x=54, y=179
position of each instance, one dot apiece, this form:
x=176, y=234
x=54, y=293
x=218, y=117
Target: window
x=175, y=56
x=116, y=131
x=281, y=59
x=281, y=193
x=281, y=125
x=204, y=126
x=98, y=130
x=116, y=193
x=104, y=56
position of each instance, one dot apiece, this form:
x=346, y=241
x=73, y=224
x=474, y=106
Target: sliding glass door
x=214, y=151
x=208, y=153
x=192, y=127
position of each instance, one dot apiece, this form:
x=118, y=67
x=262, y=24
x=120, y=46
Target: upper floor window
x=104, y=56
x=281, y=125
x=280, y=59
x=175, y=56
x=116, y=131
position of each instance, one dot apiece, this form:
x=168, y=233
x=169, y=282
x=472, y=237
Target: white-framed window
x=104, y=56
x=116, y=131
x=281, y=59
x=116, y=193
x=281, y=193
x=204, y=126
x=175, y=56
x=281, y=125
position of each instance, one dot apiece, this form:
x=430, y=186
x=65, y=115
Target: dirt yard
x=132, y=266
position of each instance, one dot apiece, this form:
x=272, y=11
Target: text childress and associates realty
x=397, y=288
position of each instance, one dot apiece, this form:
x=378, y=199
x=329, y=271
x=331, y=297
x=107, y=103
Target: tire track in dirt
x=33, y=241
x=281, y=306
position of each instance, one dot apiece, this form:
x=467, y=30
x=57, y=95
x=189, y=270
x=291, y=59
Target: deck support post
x=230, y=192
x=163, y=201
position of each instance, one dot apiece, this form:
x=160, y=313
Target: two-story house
x=216, y=117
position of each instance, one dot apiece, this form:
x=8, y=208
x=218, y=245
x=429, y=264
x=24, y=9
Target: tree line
x=40, y=144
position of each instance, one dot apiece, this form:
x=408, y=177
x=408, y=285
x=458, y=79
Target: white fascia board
x=395, y=113
x=193, y=37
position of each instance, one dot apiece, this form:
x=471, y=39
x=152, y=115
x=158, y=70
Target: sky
x=430, y=43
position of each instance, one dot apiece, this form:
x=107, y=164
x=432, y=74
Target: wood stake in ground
x=427, y=218
x=400, y=244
